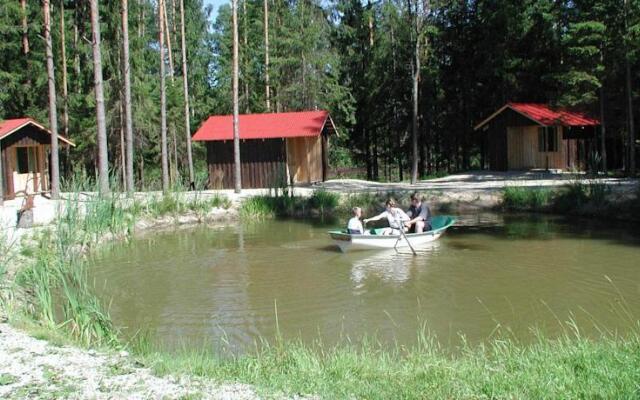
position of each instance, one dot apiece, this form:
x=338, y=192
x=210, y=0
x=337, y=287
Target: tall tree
x=266, y=54
x=236, y=121
x=163, y=103
x=53, y=117
x=629, y=89
x=25, y=27
x=419, y=15
x=65, y=89
x=127, y=98
x=185, y=89
x=103, y=158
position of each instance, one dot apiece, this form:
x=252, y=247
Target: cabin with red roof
x=522, y=136
x=24, y=157
x=276, y=149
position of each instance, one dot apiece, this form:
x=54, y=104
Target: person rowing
x=420, y=215
x=394, y=215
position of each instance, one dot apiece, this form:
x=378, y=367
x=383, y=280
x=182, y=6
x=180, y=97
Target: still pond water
x=492, y=275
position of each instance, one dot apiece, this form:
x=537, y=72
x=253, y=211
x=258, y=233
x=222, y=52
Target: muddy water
x=492, y=275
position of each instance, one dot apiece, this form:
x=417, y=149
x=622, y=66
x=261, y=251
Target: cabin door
x=26, y=174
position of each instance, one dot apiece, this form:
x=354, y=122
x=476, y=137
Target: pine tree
x=103, y=162
x=127, y=98
x=53, y=116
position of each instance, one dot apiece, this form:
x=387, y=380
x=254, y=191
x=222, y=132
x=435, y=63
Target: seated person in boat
x=354, y=227
x=420, y=215
x=394, y=215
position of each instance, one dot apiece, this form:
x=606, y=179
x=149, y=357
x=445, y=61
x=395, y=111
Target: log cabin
x=24, y=155
x=521, y=136
x=276, y=149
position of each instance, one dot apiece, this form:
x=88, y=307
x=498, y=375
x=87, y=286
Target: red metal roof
x=546, y=116
x=9, y=126
x=265, y=126
x=542, y=114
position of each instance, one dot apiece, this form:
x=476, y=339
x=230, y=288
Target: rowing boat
x=374, y=239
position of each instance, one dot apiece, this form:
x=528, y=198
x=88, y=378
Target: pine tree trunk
x=163, y=104
x=65, y=90
x=185, y=88
x=127, y=99
x=25, y=28
x=103, y=162
x=603, y=132
x=266, y=54
x=54, y=168
x=632, y=136
x=245, y=57
x=168, y=36
x=236, y=127
x=414, y=115
x=123, y=161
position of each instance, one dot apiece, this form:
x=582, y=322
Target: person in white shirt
x=354, y=227
x=395, y=216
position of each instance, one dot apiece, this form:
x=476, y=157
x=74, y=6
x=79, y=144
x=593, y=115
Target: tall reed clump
x=524, y=198
x=323, y=200
x=55, y=282
x=259, y=207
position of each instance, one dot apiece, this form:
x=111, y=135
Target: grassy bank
x=586, y=199
x=570, y=367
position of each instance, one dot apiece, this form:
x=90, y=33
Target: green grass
x=577, y=198
x=7, y=379
x=569, y=367
x=524, y=198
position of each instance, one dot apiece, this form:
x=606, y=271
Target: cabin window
x=26, y=157
x=547, y=139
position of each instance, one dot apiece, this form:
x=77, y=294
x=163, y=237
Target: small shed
x=275, y=148
x=534, y=136
x=24, y=154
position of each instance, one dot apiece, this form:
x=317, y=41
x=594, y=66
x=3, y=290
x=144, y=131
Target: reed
x=323, y=200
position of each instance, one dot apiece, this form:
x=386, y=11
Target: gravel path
x=35, y=369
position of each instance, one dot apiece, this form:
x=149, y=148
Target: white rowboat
x=373, y=239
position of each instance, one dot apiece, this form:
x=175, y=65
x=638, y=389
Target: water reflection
x=390, y=266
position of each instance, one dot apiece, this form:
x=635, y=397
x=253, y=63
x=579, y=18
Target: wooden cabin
x=24, y=155
x=522, y=136
x=275, y=149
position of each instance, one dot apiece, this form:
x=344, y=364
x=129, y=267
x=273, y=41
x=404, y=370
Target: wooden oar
x=402, y=234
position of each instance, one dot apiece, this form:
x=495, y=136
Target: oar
x=404, y=235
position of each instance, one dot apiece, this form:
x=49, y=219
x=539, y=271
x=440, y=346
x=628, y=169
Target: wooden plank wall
x=522, y=145
x=305, y=159
x=262, y=163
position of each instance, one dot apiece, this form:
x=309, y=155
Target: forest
x=405, y=81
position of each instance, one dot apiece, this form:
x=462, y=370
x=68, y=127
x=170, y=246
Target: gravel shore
x=35, y=369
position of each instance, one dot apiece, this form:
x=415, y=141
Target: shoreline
x=55, y=380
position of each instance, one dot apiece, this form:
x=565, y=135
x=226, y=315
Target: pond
x=490, y=276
